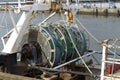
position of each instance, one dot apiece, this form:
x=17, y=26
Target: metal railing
x=110, y=65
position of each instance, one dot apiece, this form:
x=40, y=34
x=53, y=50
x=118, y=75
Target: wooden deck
x=6, y=76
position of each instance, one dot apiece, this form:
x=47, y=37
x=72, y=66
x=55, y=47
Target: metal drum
x=56, y=41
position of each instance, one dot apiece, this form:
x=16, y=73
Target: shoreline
x=99, y=11
x=83, y=11
x=89, y=11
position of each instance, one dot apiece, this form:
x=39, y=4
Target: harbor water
x=100, y=27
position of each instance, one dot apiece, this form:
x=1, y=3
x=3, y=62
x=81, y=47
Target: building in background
x=73, y=1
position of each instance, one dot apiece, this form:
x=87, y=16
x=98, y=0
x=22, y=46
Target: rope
x=89, y=34
x=13, y=21
x=93, y=36
x=86, y=30
x=76, y=48
x=112, y=51
x=3, y=17
x=78, y=51
x=6, y=25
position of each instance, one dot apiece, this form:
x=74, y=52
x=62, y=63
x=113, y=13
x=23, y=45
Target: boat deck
x=6, y=76
x=115, y=76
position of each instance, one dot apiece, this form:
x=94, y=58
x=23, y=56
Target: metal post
x=103, y=61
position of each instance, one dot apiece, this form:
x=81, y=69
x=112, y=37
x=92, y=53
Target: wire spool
x=56, y=43
x=78, y=37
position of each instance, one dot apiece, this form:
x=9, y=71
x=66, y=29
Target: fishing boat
x=56, y=49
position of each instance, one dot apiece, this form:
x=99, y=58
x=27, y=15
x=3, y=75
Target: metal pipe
x=47, y=18
x=73, y=60
x=65, y=71
x=112, y=62
x=113, y=59
x=103, y=61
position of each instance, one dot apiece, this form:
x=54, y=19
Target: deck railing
x=110, y=64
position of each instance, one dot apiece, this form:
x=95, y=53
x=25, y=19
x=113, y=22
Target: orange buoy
x=70, y=16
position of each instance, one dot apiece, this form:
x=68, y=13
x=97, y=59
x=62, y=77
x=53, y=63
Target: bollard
x=118, y=13
x=105, y=12
x=96, y=11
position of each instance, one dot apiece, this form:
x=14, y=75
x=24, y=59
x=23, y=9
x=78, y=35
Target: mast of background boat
x=76, y=8
x=71, y=11
x=68, y=3
x=13, y=43
x=18, y=7
x=19, y=4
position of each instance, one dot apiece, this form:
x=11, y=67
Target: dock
x=99, y=11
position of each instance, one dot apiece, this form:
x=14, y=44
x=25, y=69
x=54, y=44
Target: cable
x=3, y=17
x=78, y=51
x=76, y=47
x=86, y=30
